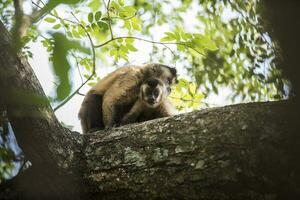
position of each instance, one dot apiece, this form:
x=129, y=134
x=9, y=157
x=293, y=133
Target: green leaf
x=94, y=5
x=131, y=47
x=115, y=5
x=98, y=15
x=57, y=26
x=102, y=25
x=61, y=66
x=127, y=25
x=204, y=42
x=166, y=39
x=129, y=40
x=128, y=11
x=123, y=49
x=50, y=20
x=136, y=24
x=90, y=17
x=94, y=26
x=81, y=31
x=169, y=37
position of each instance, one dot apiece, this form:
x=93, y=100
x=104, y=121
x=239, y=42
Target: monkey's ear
x=176, y=80
x=173, y=71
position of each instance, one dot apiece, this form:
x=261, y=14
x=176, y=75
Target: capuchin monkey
x=152, y=103
x=105, y=104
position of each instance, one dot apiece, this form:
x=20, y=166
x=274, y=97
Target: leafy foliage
x=61, y=65
x=216, y=44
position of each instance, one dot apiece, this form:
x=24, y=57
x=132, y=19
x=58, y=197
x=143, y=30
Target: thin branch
x=80, y=94
x=39, y=14
x=93, y=71
x=36, y=8
x=103, y=1
x=68, y=20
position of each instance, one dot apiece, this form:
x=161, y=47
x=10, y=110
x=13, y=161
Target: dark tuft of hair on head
x=152, y=82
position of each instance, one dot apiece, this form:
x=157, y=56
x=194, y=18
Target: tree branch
x=244, y=151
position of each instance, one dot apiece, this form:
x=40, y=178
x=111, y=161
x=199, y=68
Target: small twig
x=103, y=1
x=80, y=94
x=39, y=14
x=68, y=20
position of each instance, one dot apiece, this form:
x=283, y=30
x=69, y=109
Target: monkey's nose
x=151, y=100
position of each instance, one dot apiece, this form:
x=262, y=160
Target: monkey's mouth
x=152, y=103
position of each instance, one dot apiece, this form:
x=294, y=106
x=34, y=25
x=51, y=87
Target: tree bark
x=245, y=151
x=50, y=147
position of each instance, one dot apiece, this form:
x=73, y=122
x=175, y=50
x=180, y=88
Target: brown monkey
x=117, y=92
x=152, y=103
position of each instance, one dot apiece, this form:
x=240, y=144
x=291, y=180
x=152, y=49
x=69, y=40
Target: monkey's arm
x=110, y=115
x=133, y=114
x=122, y=93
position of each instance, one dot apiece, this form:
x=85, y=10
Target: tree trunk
x=50, y=148
x=246, y=151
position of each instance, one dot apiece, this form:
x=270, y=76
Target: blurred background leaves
x=218, y=45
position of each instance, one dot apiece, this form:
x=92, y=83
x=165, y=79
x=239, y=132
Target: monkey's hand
x=110, y=126
x=129, y=118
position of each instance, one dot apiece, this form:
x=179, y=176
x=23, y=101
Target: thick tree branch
x=245, y=151
x=22, y=23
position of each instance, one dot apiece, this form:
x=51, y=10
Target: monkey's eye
x=169, y=81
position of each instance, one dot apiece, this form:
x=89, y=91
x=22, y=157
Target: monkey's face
x=166, y=74
x=152, y=92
